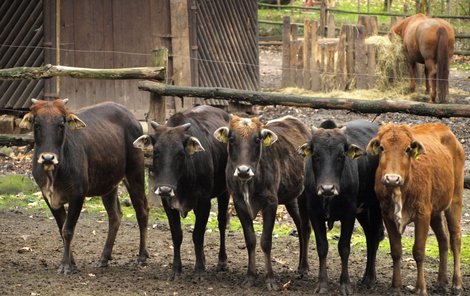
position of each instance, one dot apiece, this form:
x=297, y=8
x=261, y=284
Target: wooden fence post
x=307, y=54
x=323, y=17
x=351, y=75
x=285, y=51
x=360, y=66
x=315, y=73
x=331, y=30
x=157, y=112
x=341, y=72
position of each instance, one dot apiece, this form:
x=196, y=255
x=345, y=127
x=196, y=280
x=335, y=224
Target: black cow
x=339, y=187
x=87, y=154
x=188, y=167
x=262, y=172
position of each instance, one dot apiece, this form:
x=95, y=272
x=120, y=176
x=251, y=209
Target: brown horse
x=428, y=41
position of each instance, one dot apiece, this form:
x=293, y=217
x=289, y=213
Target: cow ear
x=268, y=137
x=27, y=121
x=193, y=145
x=416, y=149
x=221, y=134
x=304, y=150
x=143, y=143
x=374, y=147
x=73, y=122
x=354, y=152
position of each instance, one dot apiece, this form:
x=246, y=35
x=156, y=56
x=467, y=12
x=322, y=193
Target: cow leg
x=421, y=234
x=344, y=247
x=371, y=222
x=250, y=240
x=222, y=204
x=113, y=208
x=135, y=186
x=426, y=71
x=453, y=217
x=396, y=251
x=303, y=228
x=441, y=235
x=75, y=206
x=430, y=65
x=176, y=237
x=269, y=216
x=319, y=228
x=202, y=215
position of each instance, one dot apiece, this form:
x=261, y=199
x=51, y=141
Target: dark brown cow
x=419, y=177
x=87, y=154
x=263, y=170
x=188, y=168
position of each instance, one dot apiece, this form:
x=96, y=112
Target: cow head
x=329, y=150
x=246, y=138
x=172, y=149
x=397, y=149
x=49, y=121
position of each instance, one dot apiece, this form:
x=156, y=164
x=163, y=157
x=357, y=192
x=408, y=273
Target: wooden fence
x=324, y=64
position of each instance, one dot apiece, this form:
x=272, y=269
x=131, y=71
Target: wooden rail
x=48, y=71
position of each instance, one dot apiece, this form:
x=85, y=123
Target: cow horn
x=185, y=126
x=34, y=101
x=65, y=100
x=314, y=129
x=154, y=124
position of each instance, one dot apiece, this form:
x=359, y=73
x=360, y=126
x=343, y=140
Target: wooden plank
x=307, y=54
x=330, y=67
x=68, y=88
x=331, y=31
x=286, y=51
x=299, y=66
x=370, y=24
x=360, y=61
x=341, y=73
x=350, y=34
x=50, y=44
x=181, y=47
x=315, y=75
x=293, y=54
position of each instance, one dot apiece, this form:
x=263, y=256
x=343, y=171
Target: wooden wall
x=107, y=34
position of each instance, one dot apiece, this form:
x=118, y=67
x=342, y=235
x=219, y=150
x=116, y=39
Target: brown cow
x=420, y=176
x=87, y=154
x=263, y=171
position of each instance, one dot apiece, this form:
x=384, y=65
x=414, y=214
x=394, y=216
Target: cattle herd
x=388, y=175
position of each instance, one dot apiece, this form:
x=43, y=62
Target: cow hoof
x=457, y=291
x=302, y=273
x=248, y=282
x=368, y=281
x=142, y=260
x=322, y=288
x=102, y=263
x=66, y=269
x=346, y=289
x=222, y=266
x=396, y=292
x=271, y=285
x=175, y=275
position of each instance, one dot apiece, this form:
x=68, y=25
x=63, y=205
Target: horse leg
x=431, y=72
x=413, y=68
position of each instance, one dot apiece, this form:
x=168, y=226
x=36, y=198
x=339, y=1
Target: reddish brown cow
x=420, y=176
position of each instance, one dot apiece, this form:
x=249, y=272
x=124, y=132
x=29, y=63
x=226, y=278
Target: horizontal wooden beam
x=266, y=98
x=48, y=71
x=16, y=139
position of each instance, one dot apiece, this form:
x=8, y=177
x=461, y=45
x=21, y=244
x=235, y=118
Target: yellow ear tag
x=414, y=153
x=351, y=154
x=267, y=140
x=223, y=137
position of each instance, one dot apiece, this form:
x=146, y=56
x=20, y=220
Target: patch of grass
x=14, y=184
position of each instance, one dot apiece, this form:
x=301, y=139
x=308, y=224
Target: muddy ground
x=31, y=248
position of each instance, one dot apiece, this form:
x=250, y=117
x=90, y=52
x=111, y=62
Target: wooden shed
x=210, y=42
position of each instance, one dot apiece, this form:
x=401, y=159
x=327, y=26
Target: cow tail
x=442, y=64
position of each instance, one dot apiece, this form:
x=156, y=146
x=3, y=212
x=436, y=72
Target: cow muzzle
x=48, y=161
x=327, y=190
x=165, y=191
x=392, y=180
x=244, y=172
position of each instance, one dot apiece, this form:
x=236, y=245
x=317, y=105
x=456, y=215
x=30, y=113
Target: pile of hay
x=391, y=69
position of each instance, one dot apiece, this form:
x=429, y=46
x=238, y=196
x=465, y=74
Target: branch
x=48, y=71
x=264, y=98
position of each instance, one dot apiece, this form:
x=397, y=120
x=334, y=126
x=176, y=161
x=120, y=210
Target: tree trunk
x=263, y=98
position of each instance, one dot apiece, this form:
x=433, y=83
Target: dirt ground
x=31, y=248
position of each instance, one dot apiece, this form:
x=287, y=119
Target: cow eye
x=61, y=125
x=257, y=140
x=408, y=150
x=37, y=126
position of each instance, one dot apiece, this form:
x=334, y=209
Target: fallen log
x=266, y=98
x=48, y=71
x=16, y=139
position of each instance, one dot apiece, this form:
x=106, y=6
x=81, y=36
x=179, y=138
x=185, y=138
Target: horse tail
x=442, y=64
